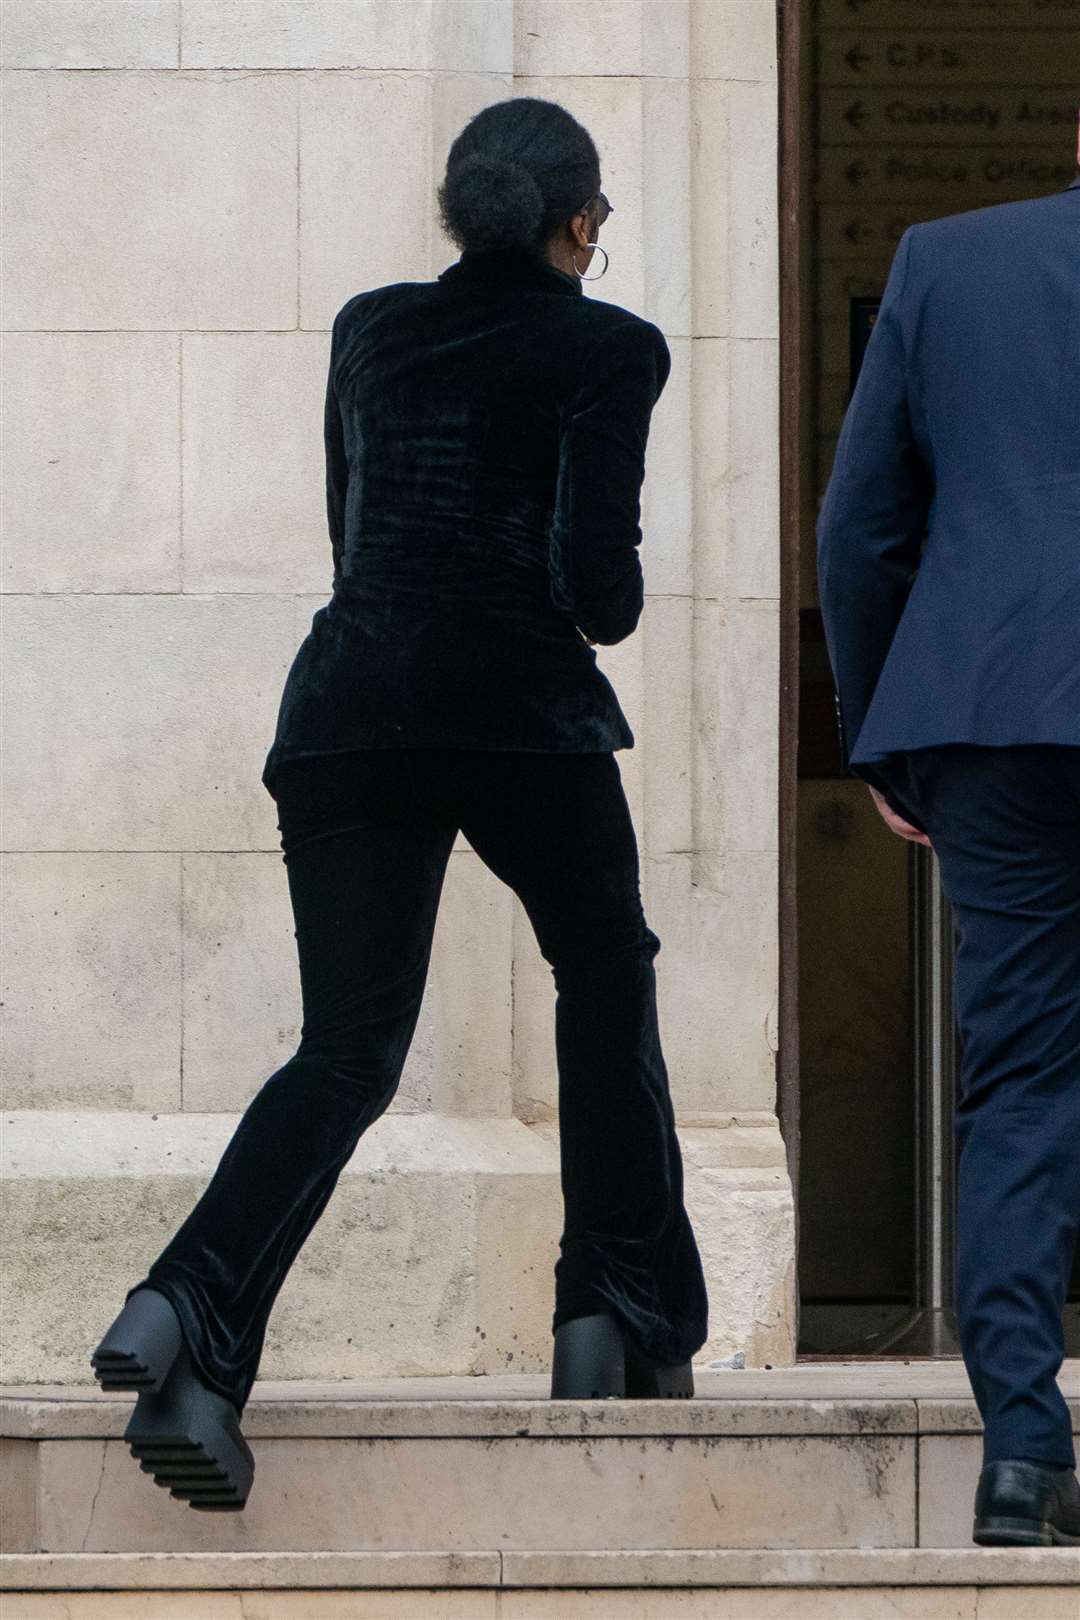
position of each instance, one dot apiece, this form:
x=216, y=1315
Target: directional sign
x=970, y=175
x=1033, y=56
x=933, y=14
x=923, y=108
x=948, y=117
x=870, y=230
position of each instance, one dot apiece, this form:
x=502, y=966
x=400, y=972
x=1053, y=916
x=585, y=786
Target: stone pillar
x=175, y=249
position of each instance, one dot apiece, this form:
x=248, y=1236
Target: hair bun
x=489, y=201
x=516, y=174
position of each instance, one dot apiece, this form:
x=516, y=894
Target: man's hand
x=896, y=823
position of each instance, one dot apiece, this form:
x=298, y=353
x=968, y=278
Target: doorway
x=891, y=112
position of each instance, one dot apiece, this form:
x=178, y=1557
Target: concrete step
x=991, y=1583
x=840, y=1457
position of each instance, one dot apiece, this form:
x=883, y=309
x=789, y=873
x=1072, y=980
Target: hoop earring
x=604, y=251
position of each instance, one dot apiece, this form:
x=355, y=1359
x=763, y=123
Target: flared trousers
x=366, y=837
x=1005, y=827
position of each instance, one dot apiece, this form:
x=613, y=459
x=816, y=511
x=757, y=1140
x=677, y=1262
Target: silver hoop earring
x=604, y=251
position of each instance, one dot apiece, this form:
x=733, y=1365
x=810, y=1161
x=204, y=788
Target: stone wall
x=175, y=247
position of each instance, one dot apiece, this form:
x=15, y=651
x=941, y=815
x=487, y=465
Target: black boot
x=589, y=1360
x=594, y=1357
x=1019, y=1503
x=649, y=1379
x=141, y=1346
x=184, y=1434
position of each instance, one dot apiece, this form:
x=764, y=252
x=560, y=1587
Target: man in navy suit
x=949, y=572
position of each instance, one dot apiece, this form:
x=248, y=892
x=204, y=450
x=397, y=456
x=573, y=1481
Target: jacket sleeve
x=337, y=467
x=595, y=532
x=874, y=515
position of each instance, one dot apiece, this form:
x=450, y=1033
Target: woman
x=485, y=449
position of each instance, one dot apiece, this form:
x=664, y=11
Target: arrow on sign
x=855, y=58
x=856, y=115
x=855, y=172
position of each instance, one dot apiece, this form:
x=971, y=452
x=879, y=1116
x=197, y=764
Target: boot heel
x=588, y=1362
x=189, y=1438
x=140, y=1348
x=649, y=1380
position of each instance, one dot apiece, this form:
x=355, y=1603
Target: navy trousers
x=366, y=837
x=1005, y=827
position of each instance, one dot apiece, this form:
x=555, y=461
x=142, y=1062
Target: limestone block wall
x=190, y=193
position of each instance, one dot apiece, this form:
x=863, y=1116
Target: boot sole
x=141, y=1346
x=189, y=1439
x=650, y=1381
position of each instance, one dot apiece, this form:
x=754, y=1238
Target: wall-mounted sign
x=868, y=232
x=924, y=57
x=985, y=15
x=924, y=108
x=969, y=176
x=950, y=117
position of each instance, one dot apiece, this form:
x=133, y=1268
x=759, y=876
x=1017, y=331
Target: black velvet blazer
x=485, y=449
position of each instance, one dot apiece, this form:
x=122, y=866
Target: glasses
x=604, y=209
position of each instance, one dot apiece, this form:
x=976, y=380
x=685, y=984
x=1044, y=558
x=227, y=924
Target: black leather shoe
x=595, y=1358
x=1026, y=1504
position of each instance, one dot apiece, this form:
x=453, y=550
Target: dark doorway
x=891, y=111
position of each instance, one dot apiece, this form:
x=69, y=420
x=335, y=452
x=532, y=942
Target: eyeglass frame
x=608, y=206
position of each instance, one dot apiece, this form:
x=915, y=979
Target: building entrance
x=907, y=110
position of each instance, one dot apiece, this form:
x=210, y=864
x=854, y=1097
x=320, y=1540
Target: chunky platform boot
x=594, y=1358
x=141, y=1346
x=589, y=1359
x=648, y=1379
x=184, y=1434
x=1026, y=1504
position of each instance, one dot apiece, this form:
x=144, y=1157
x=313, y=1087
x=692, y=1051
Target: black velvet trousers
x=366, y=837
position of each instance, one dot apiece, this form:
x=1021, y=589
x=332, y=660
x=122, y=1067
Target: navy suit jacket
x=948, y=542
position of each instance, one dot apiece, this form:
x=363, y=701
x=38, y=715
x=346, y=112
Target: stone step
x=992, y=1583
x=822, y=1455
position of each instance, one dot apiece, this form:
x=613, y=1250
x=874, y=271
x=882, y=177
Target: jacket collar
x=512, y=266
x=1072, y=185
